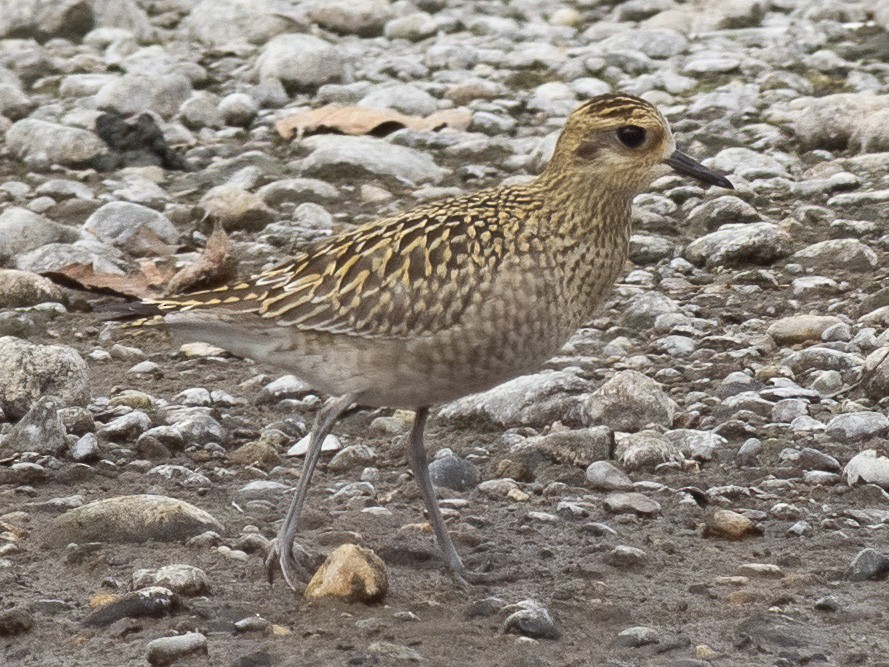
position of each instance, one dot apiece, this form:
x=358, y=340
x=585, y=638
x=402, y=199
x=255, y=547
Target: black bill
x=687, y=166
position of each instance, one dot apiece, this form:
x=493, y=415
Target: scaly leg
x=281, y=554
x=420, y=466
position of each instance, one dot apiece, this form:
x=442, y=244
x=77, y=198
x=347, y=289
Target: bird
x=448, y=299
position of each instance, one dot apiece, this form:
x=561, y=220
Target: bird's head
x=622, y=143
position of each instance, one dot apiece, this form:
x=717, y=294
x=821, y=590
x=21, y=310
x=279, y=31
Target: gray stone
x=180, y=578
x=625, y=557
x=70, y=19
x=286, y=386
x=134, y=228
x=876, y=378
x=20, y=289
x=297, y=190
x=858, y=426
x=531, y=619
x=352, y=457
x=14, y=103
x=263, y=489
x=131, y=519
x=222, y=22
x=867, y=467
x=832, y=121
x=640, y=313
x=300, y=61
x=454, y=472
x=655, y=43
x=578, y=447
x=136, y=93
x=167, y=650
x=645, y=450
x=638, y=636
x=403, y=97
x=603, y=476
x=235, y=208
x=40, y=430
x=823, y=358
x=86, y=449
x=22, y=231
x=126, y=427
x=629, y=401
x=723, y=210
x=331, y=444
x=413, y=27
x=801, y=328
x=55, y=256
x=837, y=254
x=531, y=400
x=354, y=17
x=201, y=110
x=631, y=503
x=753, y=243
x=238, y=109
x=868, y=564
x=338, y=157
x=650, y=249
x=29, y=371
x=698, y=445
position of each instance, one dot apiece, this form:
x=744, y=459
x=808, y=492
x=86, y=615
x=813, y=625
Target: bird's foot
x=467, y=578
x=290, y=562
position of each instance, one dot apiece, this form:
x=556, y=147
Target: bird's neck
x=583, y=209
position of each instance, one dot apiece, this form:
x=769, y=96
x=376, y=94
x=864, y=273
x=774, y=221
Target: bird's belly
x=425, y=370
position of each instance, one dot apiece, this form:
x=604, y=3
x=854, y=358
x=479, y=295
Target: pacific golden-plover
x=449, y=299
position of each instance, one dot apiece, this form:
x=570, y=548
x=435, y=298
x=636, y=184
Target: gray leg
x=281, y=554
x=420, y=466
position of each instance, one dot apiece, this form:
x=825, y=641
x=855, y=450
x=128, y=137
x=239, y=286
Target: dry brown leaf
x=216, y=266
x=84, y=277
x=339, y=119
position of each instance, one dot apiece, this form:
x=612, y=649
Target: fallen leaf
x=216, y=266
x=338, y=119
x=85, y=277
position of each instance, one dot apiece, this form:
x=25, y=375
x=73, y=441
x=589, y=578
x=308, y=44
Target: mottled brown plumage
x=453, y=297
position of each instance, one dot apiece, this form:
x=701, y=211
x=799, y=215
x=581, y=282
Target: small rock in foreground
x=531, y=619
x=167, y=650
x=352, y=573
x=730, y=525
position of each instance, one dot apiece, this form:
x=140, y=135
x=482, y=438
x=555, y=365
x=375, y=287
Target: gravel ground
x=698, y=478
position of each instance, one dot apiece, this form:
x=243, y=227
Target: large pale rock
x=20, y=289
x=22, y=230
x=531, y=400
x=835, y=121
x=132, y=227
x=70, y=19
x=57, y=144
x=629, y=401
x=29, y=371
x=131, y=519
x=867, y=467
x=351, y=573
x=837, y=254
x=753, y=243
x=356, y=17
x=801, y=328
x=40, y=430
x=221, y=22
x=300, y=61
x=338, y=157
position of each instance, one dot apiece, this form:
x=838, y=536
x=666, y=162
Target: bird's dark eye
x=631, y=136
